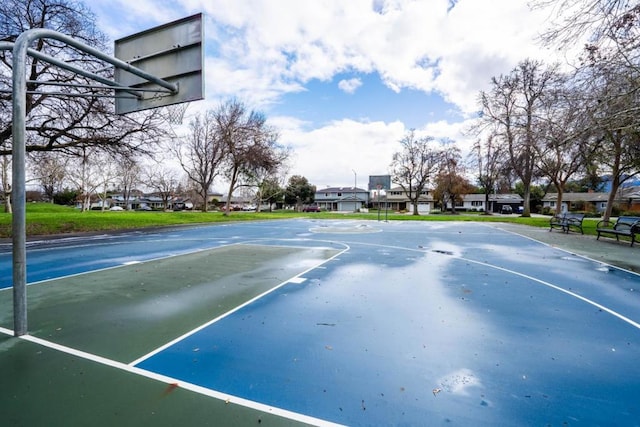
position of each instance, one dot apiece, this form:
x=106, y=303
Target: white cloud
x=421, y=45
x=350, y=85
x=258, y=50
x=327, y=156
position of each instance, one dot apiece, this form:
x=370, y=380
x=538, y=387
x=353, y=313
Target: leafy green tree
x=270, y=192
x=299, y=191
x=66, y=197
x=536, y=193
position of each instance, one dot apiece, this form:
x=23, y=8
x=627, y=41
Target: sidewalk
x=605, y=250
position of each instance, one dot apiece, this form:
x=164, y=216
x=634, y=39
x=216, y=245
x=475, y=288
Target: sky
x=343, y=81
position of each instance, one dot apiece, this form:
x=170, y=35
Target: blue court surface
x=407, y=323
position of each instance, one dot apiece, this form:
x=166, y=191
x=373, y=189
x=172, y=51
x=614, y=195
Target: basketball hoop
x=174, y=114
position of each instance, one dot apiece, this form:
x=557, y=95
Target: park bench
x=626, y=226
x=568, y=221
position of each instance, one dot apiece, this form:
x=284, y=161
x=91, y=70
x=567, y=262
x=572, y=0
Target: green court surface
x=45, y=387
x=121, y=314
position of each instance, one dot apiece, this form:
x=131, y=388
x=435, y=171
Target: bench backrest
x=572, y=215
x=626, y=222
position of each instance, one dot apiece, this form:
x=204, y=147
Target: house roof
x=341, y=190
x=577, y=197
x=630, y=192
x=498, y=198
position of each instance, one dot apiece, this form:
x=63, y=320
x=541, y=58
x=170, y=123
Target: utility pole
x=355, y=185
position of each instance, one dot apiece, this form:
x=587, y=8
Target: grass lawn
x=47, y=219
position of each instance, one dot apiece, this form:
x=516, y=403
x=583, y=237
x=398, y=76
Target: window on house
x=476, y=203
x=459, y=203
x=339, y=194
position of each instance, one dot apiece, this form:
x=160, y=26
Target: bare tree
x=512, y=106
x=600, y=23
x=201, y=153
x=72, y=115
x=565, y=146
x=92, y=171
x=128, y=177
x=490, y=163
x=414, y=166
x=50, y=170
x=251, y=148
x=164, y=181
x=614, y=116
x=610, y=30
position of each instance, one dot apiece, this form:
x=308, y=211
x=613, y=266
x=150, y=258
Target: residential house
x=628, y=200
x=346, y=199
x=477, y=202
x=397, y=199
x=589, y=202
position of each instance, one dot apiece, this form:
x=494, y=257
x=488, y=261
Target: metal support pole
x=18, y=150
x=19, y=223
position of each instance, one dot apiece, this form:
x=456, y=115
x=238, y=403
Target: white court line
x=228, y=313
x=558, y=288
x=127, y=263
x=563, y=250
x=227, y=398
x=540, y=281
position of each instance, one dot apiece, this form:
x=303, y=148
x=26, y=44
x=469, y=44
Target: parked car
x=311, y=208
x=506, y=209
x=116, y=208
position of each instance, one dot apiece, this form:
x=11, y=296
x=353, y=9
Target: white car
x=116, y=208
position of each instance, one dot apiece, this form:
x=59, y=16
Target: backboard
x=172, y=52
x=379, y=182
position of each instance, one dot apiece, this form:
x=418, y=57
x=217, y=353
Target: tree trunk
x=615, y=185
x=526, y=210
x=232, y=184
x=205, y=205
x=8, y=205
x=559, y=200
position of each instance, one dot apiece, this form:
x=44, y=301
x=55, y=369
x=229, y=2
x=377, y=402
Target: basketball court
x=311, y=322
x=299, y=322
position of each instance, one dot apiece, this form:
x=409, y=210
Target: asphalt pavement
x=609, y=251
